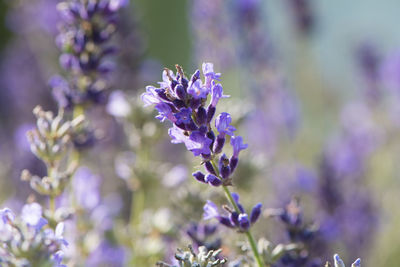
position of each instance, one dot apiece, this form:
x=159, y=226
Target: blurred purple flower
x=303, y=16
x=210, y=210
x=86, y=188
x=212, y=32
x=118, y=105
x=107, y=254
x=32, y=215
x=176, y=176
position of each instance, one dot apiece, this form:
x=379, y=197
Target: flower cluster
x=184, y=102
x=239, y=220
x=84, y=36
x=28, y=241
x=51, y=142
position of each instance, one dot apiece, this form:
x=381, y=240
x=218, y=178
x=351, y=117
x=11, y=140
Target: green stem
x=52, y=172
x=52, y=204
x=250, y=237
x=137, y=205
x=254, y=249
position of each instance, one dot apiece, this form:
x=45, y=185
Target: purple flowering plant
x=84, y=39
x=183, y=102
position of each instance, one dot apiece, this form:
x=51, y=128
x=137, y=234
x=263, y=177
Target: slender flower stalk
x=35, y=239
x=51, y=142
x=85, y=40
x=183, y=102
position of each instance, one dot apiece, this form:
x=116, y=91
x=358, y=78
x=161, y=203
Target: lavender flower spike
x=84, y=39
x=192, y=125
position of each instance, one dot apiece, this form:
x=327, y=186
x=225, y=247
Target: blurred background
x=315, y=89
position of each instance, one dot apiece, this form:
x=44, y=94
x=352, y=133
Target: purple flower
x=61, y=91
x=357, y=263
x=223, y=166
x=236, y=219
x=303, y=16
x=216, y=94
x=196, y=142
x=75, y=41
x=86, y=188
x=69, y=62
x=6, y=230
x=198, y=90
x=166, y=81
x=212, y=180
x=244, y=221
x=59, y=234
x=237, y=144
x=390, y=74
x=165, y=112
x=222, y=123
x=208, y=71
x=57, y=258
x=210, y=210
x=184, y=116
x=118, y=105
x=200, y=144
x=199, y=176
x=213, y=34
x=235, y=197
x=150, y=97
x=338, y=261
x=178, y=136
x=176, y=176
x=7, y=215
x=32, y=215
x=107, y=254
x=56, y=237
x=255, y=213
